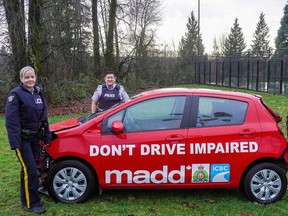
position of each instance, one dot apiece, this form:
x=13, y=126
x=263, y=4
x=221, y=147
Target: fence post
x=248, y=70
x=230, y=70
x=216, y=65
x=238, y=74
x=281, y=75
x=210, y=74
x=268, y=75
x=222, y=78
x=257, y=75
x=204, y=71
x=197, y=69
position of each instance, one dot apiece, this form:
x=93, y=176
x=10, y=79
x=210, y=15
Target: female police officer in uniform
x=26, y=115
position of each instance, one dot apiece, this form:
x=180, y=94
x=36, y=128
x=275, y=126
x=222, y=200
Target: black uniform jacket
x=25, y=110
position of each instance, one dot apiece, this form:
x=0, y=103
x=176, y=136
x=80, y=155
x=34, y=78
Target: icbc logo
x=220, y=173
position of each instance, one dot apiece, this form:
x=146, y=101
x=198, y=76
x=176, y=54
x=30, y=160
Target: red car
x=170, y=138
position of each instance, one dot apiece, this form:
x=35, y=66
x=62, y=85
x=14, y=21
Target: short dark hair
x=109, y=72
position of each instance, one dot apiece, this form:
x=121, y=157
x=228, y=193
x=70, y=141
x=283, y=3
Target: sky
x=217, y=17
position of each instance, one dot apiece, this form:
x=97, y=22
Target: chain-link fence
x=259, y=73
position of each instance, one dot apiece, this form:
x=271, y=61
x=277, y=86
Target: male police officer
x=108, y=94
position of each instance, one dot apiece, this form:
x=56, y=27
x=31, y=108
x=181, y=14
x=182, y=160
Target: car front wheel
x=70, y=182
x=265, y=183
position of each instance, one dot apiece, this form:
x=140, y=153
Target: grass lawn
x=140, y=202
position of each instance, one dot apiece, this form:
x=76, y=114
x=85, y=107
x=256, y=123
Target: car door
x=151, y=150
x=224, y=133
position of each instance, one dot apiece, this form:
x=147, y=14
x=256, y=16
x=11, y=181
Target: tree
x=188, y=46
x=216, y=48
x=188, y=49
x=260, y=44
x=14, y=11
x=66, y=39
x=139, y=21
x=218, y=44
x=109, y=57
x=235, y=41
x=96, y=40
x=281, y=41
x=34, y=34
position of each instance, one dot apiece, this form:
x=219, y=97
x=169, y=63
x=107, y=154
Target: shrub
x=62, y=92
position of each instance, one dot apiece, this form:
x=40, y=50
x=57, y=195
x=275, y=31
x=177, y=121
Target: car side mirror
x=117, y=126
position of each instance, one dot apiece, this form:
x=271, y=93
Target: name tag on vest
x=109, y=95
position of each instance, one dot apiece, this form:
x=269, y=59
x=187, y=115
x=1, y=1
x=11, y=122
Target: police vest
x=109, y=97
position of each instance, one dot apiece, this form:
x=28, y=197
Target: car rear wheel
x=70, y=182
x=265, y=183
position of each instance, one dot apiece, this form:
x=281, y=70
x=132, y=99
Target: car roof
x=211, y=92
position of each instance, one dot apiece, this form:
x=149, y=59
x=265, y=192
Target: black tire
x=265, y=183
x=70, y=181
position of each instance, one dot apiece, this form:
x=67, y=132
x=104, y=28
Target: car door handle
x=247, y=132
x=174, y=138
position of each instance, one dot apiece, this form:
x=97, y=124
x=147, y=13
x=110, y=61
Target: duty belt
x=27, y=134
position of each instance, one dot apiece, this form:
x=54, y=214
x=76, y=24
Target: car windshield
x=87, y=118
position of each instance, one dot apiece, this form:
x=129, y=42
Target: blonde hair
x=24, y=70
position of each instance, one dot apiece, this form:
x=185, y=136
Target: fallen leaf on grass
x=112, y=199
x=131, y=198
x=152, y=210
x=246, y=214
x=259, y=204
x=210, y=200
x=86, y=214
x=189, y=205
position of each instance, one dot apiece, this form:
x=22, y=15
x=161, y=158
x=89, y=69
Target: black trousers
x=27, y=156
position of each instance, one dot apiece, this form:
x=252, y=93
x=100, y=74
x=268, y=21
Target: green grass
x=139, y=202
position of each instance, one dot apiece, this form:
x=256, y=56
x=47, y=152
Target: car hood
x=64, y=125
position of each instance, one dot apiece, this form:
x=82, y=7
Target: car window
x=107, y=122
x=155, y=114
x=117, y=116
x=220, y=111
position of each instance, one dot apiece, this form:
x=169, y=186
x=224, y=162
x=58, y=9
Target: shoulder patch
x=10, y=98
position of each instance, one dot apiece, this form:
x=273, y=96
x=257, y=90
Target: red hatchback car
x=170, y=138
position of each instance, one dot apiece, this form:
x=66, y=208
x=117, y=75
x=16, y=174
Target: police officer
x=26, y=116
x=108, y=94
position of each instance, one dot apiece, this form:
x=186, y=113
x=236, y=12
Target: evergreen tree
x=216, y=47
x=188, y=49
x=281, y=41
x=260, y=44
x=188, y=46
x=218, y=44
x=235, y=41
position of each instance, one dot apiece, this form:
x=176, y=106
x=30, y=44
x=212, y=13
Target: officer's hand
x=46, y=144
